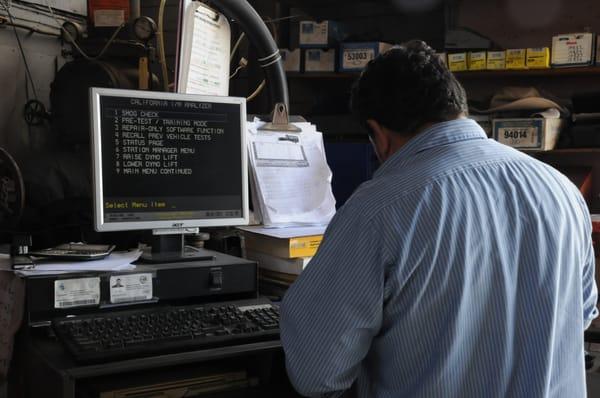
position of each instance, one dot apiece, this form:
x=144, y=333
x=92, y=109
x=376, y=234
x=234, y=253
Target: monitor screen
x=165, y=160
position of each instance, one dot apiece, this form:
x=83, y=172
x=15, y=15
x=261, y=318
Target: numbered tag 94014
x=519, y=137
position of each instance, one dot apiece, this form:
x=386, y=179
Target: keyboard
x=167, y=329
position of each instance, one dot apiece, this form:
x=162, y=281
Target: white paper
x=116, y=261
x=69, y=293
x=287, y=232
x=290, y=177
x=130, y=287
x=203, y=62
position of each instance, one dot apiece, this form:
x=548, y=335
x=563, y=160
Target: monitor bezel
x=99, y=224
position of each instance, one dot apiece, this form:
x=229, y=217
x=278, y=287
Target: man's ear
x=381, y=139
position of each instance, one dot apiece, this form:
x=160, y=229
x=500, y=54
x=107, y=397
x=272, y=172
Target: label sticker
x=357, y=58
x=314, y=33
x=131, y=287
x=80, y=292
x=107, y=18
x=520, y=137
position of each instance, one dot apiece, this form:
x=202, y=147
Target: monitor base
x=189, y=254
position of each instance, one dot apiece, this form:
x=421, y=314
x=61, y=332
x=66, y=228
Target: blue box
x=292, y=59
x=351, y=163
x=319, y=60
x=320, y=34
x=355, y=56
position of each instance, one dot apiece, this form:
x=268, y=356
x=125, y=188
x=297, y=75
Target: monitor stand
x=171, y=249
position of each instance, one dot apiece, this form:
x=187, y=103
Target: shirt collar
x=439, y=134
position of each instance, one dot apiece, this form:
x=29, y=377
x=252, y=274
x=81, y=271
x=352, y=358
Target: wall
x=531, y=23
x=527, y=23
x=43, y=54
x=325, y=100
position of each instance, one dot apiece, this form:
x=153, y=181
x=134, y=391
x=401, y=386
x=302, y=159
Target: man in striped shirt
x=464, y=268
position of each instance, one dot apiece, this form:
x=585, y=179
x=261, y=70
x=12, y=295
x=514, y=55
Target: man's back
x=485, y=260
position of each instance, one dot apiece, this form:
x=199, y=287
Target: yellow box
x=515, y=58
x=496, y=60
x=300, y=246
x=477, y=60
x=457, y=62
x=538, y=58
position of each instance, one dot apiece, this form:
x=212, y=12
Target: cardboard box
x=320, y=34
x=496, y=60
x=319, y=60
x=443, y=58
x=477, y=60
x=529, y=134
x=573, y=49
x=355, y=56
x=291, y=59
x=457, y=62
x=538, y=58
x=516, y=58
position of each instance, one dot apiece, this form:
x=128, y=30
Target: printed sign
x=79, y=292
x=313, y=33
x=357, y=58
x=519, y=137
x=130, y=287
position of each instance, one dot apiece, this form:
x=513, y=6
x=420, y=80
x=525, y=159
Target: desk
x=47, y=370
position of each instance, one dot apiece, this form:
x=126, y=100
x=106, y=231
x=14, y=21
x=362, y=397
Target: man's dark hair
x=406, y=87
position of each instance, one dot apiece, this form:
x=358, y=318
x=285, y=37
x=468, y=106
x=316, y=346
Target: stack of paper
x=290, y=178
x=203, y=53
x=281, y=254
x=116, y=261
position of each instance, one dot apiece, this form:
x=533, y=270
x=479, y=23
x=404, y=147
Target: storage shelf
x=575, y=72
x=321, y=75
x=578, y=71
x=568, y=151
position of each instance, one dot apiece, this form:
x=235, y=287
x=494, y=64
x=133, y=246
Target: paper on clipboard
x=290, y=177
x=203, y=57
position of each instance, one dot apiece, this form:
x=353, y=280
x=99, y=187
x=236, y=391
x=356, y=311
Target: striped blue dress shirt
x=464, y=268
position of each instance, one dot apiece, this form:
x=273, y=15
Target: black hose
x=259, y=35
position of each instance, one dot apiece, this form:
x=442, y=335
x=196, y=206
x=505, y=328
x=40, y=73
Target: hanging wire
x=6, y=6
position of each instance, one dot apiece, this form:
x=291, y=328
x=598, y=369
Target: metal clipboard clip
x=207, y=11
x=280, y=121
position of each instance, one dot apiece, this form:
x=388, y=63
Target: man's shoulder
x=399, y=187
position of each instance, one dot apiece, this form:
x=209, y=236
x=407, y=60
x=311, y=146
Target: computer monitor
x=167, y=162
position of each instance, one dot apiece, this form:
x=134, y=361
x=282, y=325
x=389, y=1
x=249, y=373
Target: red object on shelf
x=108, y=13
